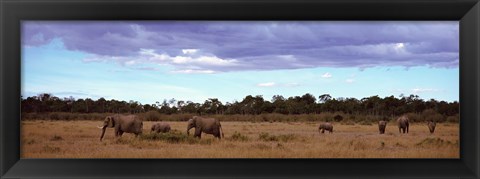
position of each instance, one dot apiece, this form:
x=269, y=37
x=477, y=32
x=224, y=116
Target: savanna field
x=80, y=139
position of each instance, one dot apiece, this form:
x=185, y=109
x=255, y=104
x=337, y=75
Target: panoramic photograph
x=240, y=89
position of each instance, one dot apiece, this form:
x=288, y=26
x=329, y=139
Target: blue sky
x=152, y=61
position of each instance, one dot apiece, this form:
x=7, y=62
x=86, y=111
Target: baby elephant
x=160, y=127
x=381, y=126
x=431, y=126
x=403, y=124
x=325, y=126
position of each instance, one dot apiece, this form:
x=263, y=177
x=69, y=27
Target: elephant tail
x=223, y=136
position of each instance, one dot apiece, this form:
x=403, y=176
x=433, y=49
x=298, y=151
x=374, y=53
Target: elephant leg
x=407, y=128
x=116, y=132
x=216, y=133
x=198, y=132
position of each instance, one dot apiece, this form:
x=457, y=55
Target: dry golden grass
x=80, y=139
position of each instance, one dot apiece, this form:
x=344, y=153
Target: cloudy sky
x=148, y=61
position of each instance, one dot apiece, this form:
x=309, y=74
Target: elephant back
x=431, y=126
x=402, y=121
x=382, y=123
x=326, y=125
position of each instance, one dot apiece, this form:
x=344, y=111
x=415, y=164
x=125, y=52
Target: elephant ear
x=111, y=122
x=194, y=120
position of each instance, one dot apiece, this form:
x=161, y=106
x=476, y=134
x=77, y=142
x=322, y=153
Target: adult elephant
x=205, y=125
x=325, y=126
x=121, y=124
x=160, y=127
x=381, y=126
x=403, y=124
x=431, y=126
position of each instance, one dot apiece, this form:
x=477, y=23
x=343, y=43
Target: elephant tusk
x=100, y=127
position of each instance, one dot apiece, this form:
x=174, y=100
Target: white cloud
x=423, y=90
x=399, y=45
x=327, y=75
x=272, y=84
x=151, y=55
x=189, y=51
x=350, y=80
x=130, y=62
x=190, y=71
x=268, y=84
x=292, y=84
x=183, y=64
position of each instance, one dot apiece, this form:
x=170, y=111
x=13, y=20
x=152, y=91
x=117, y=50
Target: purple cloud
x=216, y=46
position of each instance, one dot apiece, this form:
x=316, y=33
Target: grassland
x=80, y=139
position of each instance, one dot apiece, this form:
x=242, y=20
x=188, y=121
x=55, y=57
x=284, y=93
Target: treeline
x=250, y=105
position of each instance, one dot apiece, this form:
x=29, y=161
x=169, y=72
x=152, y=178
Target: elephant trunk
x=188, y=130
x=103, y=132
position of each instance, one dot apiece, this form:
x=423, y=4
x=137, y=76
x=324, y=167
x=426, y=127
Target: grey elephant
x=403, y=124
x=205, y=125
x=160, y=127
x=431, y=126
x=381, y=126
x=325, y=126
x=121, y=124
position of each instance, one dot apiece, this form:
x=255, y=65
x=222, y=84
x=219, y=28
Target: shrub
x=327, y=117
x=54, y=116
x=453, y=119
x=367, y=123
x=437, y=142
x=170, y=137
x=413, y=117
x=50, y=149
x=350, y=123
x=152, y=116
x=338, y=118
x=56, y=138
x=431, y=114
x=31, y=141
x=267, y=137
x=236, y=136
x=286, y=137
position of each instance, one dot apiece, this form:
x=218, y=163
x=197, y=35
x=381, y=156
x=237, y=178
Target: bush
x=267, y=137
x=350, y=123
x=50, y=149
x=436, y=142
x=236, y=136
x=327, y=117
x=338, y=118
x=63, y=116
x=367, y=123
x=171, y=137
x=413, y=117
x=453, y=119
x=431, y=114
x=56, y=138
x=152, y=116
x=54, y=116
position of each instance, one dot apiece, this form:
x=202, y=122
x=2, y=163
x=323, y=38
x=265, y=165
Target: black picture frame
x=12, y=12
